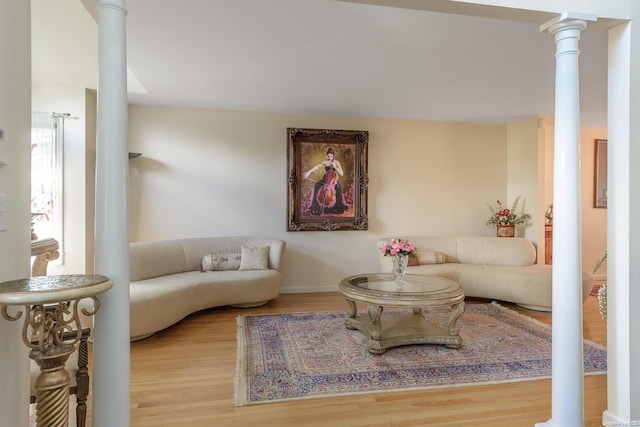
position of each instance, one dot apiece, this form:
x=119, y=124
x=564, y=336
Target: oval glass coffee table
x=379, y=290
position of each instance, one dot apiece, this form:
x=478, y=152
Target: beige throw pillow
x=221, y=262
x=254, y=258
x=413, y=260
x=431, y=257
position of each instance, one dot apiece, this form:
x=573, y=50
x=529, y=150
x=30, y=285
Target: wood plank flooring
x=184, y=376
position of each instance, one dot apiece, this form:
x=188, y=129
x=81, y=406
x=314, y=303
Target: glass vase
x=400, y=262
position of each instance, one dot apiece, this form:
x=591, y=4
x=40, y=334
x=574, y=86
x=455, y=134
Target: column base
x=608, y=419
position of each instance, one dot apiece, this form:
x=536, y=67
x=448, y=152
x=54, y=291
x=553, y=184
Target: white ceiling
x=322, y=57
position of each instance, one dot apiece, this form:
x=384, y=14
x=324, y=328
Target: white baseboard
x=307, y=290
x=609, y=419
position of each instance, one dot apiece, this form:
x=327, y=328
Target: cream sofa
x=497, y=268
x=167, y=281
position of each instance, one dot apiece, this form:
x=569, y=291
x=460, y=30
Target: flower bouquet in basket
x=400, y=250
x=505, y=216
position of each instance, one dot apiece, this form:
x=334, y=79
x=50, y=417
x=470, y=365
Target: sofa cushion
x=160, y=302
x=515, y=252
x=154, y=259
x=490, y=267
x=431, y=257
x=221, y=262
x=254, y=258
x=413, y=260
x=528, y=285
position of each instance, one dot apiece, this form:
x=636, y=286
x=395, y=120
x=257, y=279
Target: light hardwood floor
x=184, y=376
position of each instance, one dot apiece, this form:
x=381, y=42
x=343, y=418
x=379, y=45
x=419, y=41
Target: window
x=46, y=176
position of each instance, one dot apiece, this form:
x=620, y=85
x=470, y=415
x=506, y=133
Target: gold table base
x=51, y=330
x=52, y=386
x=379, y=290
x=405, y=329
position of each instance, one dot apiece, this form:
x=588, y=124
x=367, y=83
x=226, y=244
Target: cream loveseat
x=497, y=268
x=168, y=281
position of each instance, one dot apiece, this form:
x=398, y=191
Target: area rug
x=312, y=355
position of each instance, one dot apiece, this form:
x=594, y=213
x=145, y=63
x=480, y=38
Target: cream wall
x=522, y=172
x=207, y=172
x=594, y=220
x=197, y=159
x=91, y=107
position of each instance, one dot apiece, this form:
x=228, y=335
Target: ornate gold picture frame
x=327, y=179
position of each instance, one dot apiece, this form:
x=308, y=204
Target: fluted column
x=567, y=390
x=111, y=379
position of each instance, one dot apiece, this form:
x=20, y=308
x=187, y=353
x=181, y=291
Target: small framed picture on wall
x=327, y=179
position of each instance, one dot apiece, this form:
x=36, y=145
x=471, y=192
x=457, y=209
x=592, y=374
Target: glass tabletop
x=416, y=291
x=413, y=283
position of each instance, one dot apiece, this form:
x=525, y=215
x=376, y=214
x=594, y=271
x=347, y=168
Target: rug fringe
x=401, y=390
x=516, y=312
x=240, y=383
x=511, y=310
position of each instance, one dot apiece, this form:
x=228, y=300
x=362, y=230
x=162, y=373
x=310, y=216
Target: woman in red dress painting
x=326, y=198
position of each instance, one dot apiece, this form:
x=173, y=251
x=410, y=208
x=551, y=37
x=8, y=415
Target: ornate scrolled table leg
x=51, y=309
x=456, y=311
x=375, y=333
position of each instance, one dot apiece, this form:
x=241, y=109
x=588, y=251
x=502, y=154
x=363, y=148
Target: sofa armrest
x=276, y=250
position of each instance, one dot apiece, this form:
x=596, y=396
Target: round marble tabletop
x=52, y=289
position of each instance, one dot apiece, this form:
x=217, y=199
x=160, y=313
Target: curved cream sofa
x=167, y=283
x=498, y=268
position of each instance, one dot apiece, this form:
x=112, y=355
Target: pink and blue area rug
x=312, y=355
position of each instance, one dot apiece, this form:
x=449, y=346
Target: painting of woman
x=327, y=197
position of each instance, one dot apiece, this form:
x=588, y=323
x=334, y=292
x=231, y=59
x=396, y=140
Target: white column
x=15, y=119
x=111, y=378
x=623, y=228
x=567, y=389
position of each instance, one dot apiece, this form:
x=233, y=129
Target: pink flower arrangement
x=397, y=247
x=504, y=216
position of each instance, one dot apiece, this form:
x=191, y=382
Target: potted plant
x=505, y=219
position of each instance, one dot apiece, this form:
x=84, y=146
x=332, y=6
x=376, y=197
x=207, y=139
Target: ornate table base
x=405, y=329
x=51, y=330
x=416, y=292
x=52, y=386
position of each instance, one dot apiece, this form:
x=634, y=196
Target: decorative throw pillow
x=221, y=261
x=431, y=257
x=254, y=258
x=413, y=260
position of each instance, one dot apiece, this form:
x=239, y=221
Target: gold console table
x=51, y=310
